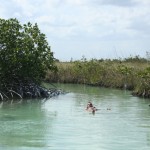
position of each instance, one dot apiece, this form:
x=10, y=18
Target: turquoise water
x=61, y=123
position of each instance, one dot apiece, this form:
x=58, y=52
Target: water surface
x=61, y=123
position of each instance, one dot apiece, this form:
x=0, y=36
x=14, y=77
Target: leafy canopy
x=24, y=51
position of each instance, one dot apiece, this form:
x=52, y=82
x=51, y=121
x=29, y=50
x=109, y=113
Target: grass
x=131, y=74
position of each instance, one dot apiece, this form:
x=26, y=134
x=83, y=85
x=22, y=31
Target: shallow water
x=61, y=123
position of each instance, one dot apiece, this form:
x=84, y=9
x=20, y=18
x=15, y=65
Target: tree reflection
x=24, y=125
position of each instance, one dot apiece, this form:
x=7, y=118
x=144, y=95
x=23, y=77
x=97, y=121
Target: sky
x=96, y=29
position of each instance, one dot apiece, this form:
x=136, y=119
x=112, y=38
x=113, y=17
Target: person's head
x=91, y=105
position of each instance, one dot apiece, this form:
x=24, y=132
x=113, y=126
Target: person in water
x=89, y=105
x=91, y=108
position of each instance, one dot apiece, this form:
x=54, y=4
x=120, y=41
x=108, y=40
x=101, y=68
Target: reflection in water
x=23, y=125
x=148, y=138
x=61, y=123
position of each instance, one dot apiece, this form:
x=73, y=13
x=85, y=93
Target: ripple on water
x=62, y=123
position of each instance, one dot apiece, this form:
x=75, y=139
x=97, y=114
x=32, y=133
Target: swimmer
x=91, y=108
x=89, y=105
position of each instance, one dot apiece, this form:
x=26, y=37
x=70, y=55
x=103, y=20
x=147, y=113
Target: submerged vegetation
x=131, y=73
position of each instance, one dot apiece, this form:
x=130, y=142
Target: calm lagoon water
x=61, y=123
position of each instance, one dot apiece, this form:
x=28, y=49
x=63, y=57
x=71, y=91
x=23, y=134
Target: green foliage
x=132, y=74
x=145, y=74
x=89, y=72
x=125, y=70
x=135, y=59
x=143, y=85
x=24, y=52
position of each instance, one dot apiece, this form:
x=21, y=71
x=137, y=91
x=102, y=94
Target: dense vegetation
x=25, y=56
x=132, y=74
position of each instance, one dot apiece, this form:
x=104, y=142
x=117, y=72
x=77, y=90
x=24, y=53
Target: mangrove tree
x=25, y=56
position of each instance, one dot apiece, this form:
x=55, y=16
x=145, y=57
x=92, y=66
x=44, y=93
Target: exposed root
x=2, y=98
x=16, y=93
x=26, y=90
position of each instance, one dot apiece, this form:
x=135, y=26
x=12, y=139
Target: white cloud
x=122, y=3
x=2, y=11
x=89, y=21
x=27, y=9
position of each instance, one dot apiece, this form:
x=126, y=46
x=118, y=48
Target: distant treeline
x=132, y=73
